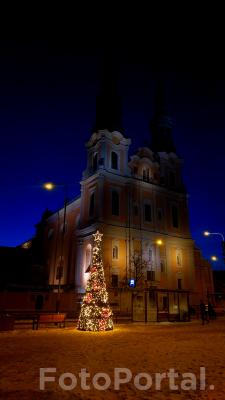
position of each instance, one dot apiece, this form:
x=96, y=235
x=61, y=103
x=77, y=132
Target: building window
x=159, y=214
x=179, y=284
x=175, y=221
x=135, y=210
x=114, y=280
x=179, y=258
x=148, y=212
x=92, y=205
x=150, y=275
x=63, y=228
x=165, y=303
x=162, y=267
x=146, y=174
x=59, y=272
x=115, y=203
x=150, y=254
x=50, y=233
x=135, y=170
x=88, y=257
x=115, y=252
x=95, y=161
x=114, y=160
x=172, y=179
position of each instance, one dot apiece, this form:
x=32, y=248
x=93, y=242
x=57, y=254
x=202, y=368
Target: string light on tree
x=95, y=314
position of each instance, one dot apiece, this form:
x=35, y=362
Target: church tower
x=103, y=188
x=162, y=124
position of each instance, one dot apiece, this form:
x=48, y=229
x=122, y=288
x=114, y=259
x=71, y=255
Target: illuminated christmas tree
x=95, y=314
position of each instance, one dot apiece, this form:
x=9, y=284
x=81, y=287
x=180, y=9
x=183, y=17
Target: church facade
x=140, y=205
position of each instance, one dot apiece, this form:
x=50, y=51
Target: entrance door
x=144, y=306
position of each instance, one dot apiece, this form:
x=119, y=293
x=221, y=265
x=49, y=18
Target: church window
x=148, y=212
x=115, y=252
x=114, y=280
x=175, y=220
x=146, y=175
x=135, y=210
x=95, y=162
x=150, y=275
x=59, y=272
x=114, y=160
x=172, y=179
x=50, y=233
x=178, y=258
x=88, y=257
x=159, y=214
x=162, y=266
x=92, y=205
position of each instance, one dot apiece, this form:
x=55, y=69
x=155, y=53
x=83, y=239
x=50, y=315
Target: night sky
x=48, y=88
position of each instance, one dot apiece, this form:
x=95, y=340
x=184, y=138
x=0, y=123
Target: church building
x=139, y=203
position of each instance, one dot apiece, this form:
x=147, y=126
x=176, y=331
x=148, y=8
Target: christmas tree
x=95, y=314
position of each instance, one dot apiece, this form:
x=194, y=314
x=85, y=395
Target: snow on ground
x=141, y=348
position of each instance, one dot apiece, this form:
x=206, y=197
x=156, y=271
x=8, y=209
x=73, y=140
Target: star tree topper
x=97, y=236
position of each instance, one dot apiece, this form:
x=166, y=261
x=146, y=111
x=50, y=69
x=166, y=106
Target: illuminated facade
x=140, y=204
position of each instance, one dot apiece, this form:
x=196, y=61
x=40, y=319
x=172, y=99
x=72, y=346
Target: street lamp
x=214, y=258
x=51, y=186
x=207, y=233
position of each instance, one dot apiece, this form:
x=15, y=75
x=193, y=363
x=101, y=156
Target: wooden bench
x=22, y=317
x=57, y=319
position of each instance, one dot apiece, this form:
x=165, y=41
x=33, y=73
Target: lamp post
x=51, y=186
x=207, y=233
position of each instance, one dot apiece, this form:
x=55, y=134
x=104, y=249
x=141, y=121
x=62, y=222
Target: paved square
x=138, y=347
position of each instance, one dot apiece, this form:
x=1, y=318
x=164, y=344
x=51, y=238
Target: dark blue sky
x=47, y=110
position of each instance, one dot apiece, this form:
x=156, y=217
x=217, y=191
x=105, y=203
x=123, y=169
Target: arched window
x=115, y=203
x=175, y=217
x=92, y=205
x=63, y=227
x=150, y=254
x=115, y=252
x=60, y=269
x=88, y=257
x=146, y=175
x=172, y=179
x=95, y=161
x=148, y=212
x=114, y=160
x=50, y=233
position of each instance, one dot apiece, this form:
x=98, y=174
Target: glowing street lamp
x=49, y=186
x=159, y=242
x=214, y=258
x=207, y=233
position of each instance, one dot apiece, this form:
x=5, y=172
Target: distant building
x=152, y=267
x=219, y=283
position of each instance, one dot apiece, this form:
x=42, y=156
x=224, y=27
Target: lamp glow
x=159, y=242
x=214, y=258
x=48, y=186
x=206, y=233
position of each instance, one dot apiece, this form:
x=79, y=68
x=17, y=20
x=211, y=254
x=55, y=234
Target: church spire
x=162, y=124
x=108, y=103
